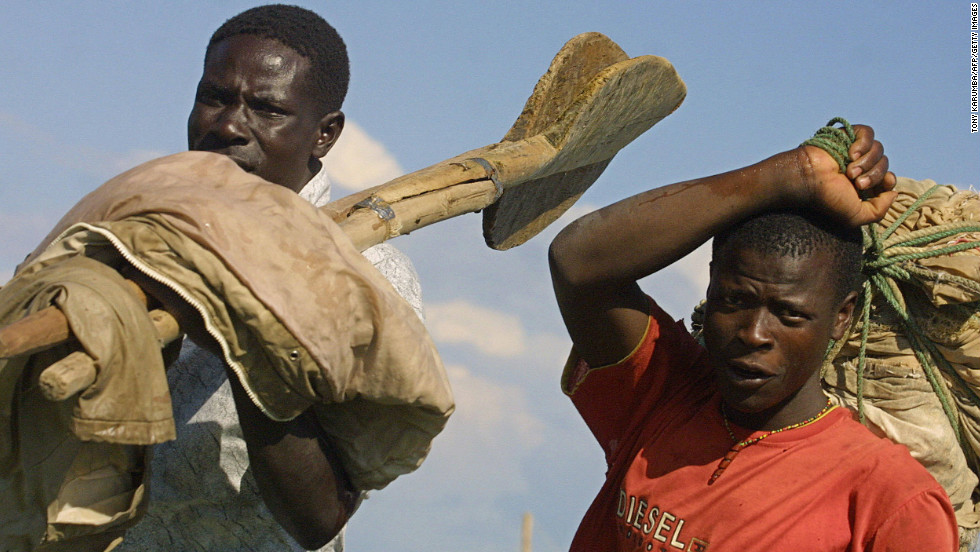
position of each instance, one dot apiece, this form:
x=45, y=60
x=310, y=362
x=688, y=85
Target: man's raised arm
x=597, y=260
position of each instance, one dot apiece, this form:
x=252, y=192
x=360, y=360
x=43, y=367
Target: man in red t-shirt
x=733, y=445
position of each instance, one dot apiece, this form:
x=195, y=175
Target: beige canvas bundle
x=941, y=294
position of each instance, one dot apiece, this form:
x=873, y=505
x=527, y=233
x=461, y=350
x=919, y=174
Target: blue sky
x=90, y=89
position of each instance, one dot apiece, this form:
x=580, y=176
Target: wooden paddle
x=592, y=101
x=582, y=112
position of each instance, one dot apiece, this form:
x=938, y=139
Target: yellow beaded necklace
x=739, y=445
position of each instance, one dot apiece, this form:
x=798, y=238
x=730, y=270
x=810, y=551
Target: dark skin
x=768, y=319
x=254, y=104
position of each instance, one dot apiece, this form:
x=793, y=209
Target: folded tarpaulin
x=299, y=315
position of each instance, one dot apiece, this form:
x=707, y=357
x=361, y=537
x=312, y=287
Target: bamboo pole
x=527, y=527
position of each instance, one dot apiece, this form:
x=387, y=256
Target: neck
x=804, y=404
x=313, y=166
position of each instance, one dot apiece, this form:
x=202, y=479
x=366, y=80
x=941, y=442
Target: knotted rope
x=835, y=141
x=889, y=260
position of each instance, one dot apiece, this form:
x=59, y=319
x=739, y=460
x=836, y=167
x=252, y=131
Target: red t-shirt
x=828, y=486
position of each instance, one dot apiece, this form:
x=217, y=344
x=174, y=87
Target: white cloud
x=682, y=285
x=694, y=267
x=492, y=332
x=486, y=443
x=358, y=161
x=482, y=462
x=489, y=412
x=575, y=211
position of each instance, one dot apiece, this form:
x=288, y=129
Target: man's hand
x=867, y=177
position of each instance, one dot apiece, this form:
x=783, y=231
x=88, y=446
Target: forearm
x=640, y=235
x=298, y=476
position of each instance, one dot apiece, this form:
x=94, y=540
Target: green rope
x=922, y=236
x=835, y=141
x=908, y=212
x=888, y=261
x=896, y=257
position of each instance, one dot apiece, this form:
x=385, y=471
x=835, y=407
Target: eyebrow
x=795, y=306
x=280, y=100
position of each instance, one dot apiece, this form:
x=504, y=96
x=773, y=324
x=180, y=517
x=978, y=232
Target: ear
x=328, y=131
x=845, y=311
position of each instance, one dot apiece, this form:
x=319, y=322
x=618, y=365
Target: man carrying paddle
x=270, y=98
x=733, y=445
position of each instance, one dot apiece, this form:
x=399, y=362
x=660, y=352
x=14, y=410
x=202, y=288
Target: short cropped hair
x=309, y=35
x=800, y=233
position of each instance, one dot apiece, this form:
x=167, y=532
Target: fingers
x=873, y=177
x=864, y=137
x=866, y=153
x=870, y=175
x=869, y=168
x=889, y=182
x=874, y=208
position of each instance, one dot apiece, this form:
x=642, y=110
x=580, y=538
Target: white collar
x=317, y=190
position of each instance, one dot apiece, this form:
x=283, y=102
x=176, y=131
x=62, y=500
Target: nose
x=754, y=329
x=231, y=124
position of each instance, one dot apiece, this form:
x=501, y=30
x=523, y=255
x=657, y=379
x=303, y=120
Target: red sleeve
x=925, y=522
x=612, y=398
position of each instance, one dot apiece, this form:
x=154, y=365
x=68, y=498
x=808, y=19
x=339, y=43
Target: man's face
x=254, y=105
x=768, y=321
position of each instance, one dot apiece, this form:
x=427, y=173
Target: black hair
x=305, y=32
x=800, y=233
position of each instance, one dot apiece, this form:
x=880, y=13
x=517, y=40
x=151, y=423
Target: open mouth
x=747, y=373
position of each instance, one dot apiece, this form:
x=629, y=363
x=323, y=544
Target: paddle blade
x=621, y=102
x=573, y=67
x=518, y=217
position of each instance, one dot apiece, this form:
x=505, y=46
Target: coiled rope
x=889, y=260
